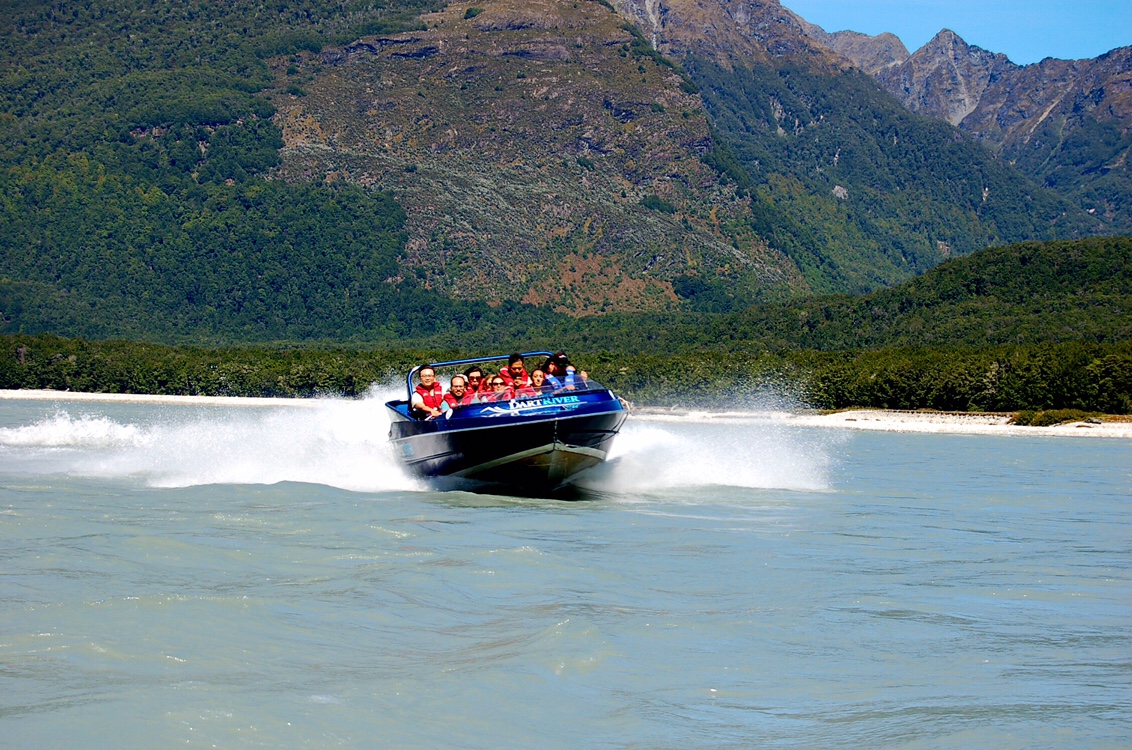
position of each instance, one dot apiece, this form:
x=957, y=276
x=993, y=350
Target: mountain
x=1065, y=123
x=856, y=191
x=344, y=171
x=554, y=152
x=543, y=151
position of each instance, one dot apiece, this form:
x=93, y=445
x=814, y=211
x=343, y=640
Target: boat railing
x=460, y=362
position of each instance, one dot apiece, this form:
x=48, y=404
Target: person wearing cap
x=562, y=375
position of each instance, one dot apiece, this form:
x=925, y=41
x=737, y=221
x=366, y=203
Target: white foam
x=343, y=443
x=337, y=442
x=63, y=430
x=752, y=453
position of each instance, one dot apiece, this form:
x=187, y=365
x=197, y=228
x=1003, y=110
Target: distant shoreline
x=957, y=423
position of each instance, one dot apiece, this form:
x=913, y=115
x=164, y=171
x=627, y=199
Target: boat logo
x=518, y=407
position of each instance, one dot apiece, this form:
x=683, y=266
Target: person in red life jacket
x=514, y=372
x=458, y=393
x=500, y=391
x=428, y=395
x=477, y=383
x=518, y=390
x=539, y=384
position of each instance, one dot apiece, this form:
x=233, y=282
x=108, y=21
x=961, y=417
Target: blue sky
x=1025, y=30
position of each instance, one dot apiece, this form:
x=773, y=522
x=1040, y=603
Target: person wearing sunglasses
x=478, y=385
x=500, y=391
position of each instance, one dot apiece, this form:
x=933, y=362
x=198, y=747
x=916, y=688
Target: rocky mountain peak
x=946, y=78
x=871, y=54
x=726, y=30
x=1066, y=123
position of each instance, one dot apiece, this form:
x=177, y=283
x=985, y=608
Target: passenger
x=570, y=377
x=514, y=371
x=477, y=384
x=500, y=391
x=539, y=384
x=428, y=395
x=560, y=373
x=518, y=390
x=458, y=393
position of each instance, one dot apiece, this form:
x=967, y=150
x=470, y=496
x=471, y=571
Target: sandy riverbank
x=902, y=421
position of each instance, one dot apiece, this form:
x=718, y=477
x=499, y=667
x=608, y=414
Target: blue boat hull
x=530, y=445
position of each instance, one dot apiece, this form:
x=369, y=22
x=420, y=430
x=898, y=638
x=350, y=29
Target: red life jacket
x=495, y=397
x=450, y=399
x=433, y=396
x=523, y=379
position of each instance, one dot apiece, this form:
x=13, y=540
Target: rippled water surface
x=267, y=577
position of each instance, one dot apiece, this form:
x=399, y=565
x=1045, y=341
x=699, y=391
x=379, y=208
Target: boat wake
x=743, y=453
x=343, y=443
x=333, y=442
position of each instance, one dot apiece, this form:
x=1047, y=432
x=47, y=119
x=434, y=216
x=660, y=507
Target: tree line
x=1076, y=375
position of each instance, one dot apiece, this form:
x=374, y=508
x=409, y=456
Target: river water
x=267, y=577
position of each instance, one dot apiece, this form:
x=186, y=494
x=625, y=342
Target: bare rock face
x=731, y=31
x=530, y=143
x=872, y=54
x=946, y=78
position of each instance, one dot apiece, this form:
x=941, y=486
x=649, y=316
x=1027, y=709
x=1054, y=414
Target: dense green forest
x=1027, y=326
x=1027, y=293
x=134, y=137
x=1089, y=377
x=856, y=189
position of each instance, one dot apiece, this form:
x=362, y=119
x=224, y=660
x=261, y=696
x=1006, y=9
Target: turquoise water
x=266, y=577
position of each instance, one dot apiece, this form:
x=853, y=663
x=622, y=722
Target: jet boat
x=536, y=444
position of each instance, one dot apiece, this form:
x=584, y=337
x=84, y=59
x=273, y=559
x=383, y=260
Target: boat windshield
x=485, y=394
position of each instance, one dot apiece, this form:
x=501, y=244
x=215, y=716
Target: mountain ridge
x=312, y=170
x=1065, y=123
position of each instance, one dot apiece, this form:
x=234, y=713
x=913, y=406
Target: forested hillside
x=1032, y=325
x=135, y=137
x=1028, y=293
x=857, y=190
x=346, y=171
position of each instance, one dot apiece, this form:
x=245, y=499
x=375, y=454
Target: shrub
x=1050, y=417
x=656, y=203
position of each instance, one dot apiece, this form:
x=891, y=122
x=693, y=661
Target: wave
x=339, y=443
x=744, y=453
